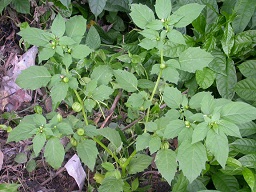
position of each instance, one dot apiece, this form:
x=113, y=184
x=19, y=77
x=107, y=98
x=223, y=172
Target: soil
x=43, y=178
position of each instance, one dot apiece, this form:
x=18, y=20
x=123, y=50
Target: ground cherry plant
x=190, y=119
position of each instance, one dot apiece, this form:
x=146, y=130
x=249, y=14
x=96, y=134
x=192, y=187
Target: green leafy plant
x=194, y=139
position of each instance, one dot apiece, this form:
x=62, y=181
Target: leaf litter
x=11, y=95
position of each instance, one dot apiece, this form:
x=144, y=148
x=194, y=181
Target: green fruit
x=59, y=117
x=165, y=145
x=38, y=109
x=162, y=66
x=187, y=123
x=98, y=178
x=73, y=141
x=8, y=129
x=80, y=131
x=77, y=107
x=65, y=79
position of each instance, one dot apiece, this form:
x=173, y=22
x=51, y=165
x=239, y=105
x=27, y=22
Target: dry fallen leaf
x=75, y=170
x=12, y=96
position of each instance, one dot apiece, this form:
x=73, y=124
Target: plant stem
x=127, y=162
x=82, y=103
x=156, y=85
x=106, y=149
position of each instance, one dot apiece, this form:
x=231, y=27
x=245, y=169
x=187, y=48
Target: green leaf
x=150, y=34
x=148, y=43
x=205, y=77
x=181, y=183
x=38, y=142
x=139, y=163
x=172, y=97
x=126, y=80
x=226, y=82
x=66, y=3
x=244, y=10
x=34, y=77
x=229, y=128
x=108, y=166
x=248, y=68
x=59, y=92
x=7, y=187
x=23, y=130
x=88, y=152
x=200, y=132
x=65, y=40
x=173, y=129
x=35, y=36
x=80, y=51
x=154, y=144
x=187, y=14
x=93, y=38
x=220, y=148
x=103, y=74
x=76, y=27
x=135, y=184
x=58, y=26
x=248, y=160
x=21, y=6
x=247, y=129
x=194, y=58
x=4, y=4
x=89, y=104
x=141, y=15
x=67, y=60
x=146, y=84
x=238, y=112
x=249, y=177
x=244, y=145
x=111, y=184
x=195, y=101
x=192, y=158
x=142, y=141
x=54, y=152
x=97, y=6
x=163, y=8
x=224, y=182
x=65, y=128
x=227, y=40
x=170, y=74
x=246, y=89
x=176, y=37
x=102, y=93
x=112, y=135
x=151, y=126
x=46, y=53
x=196, y=185
x=137, y=100
x=21, y=158
x=166, y=164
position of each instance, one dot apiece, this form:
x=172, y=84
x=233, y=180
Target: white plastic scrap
x=75, y=170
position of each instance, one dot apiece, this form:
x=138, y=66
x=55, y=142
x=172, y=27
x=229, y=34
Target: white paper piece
x=1, y=159
x=75, y=170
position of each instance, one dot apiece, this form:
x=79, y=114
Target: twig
x=111, y=110
x=133, y=123
x=56, y=174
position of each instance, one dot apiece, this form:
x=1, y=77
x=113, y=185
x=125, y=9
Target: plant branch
x=156, y=85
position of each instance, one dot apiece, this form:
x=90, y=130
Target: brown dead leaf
x=14, y=96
